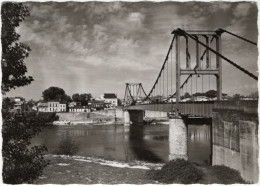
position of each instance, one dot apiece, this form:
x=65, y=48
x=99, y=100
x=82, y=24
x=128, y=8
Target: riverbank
x=89, y=170
x=79, y=170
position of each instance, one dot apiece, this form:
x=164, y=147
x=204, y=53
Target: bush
x=67, y=146
x=227, y=175
x=177, y=171
x=21, y=163
x=48, y=117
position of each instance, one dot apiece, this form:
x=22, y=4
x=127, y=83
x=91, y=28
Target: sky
x=94, y=47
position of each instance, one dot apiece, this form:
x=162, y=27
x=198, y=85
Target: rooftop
x=110, y=95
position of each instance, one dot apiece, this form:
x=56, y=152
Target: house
x=80, y=109
x=201, y=98
x=18, y=99
x=110, y=98
x=172, y=99
x=53, y=106
x=42, y=107
x=19, y=106
x=63, y=107
x=74, y=103
x=97, y=104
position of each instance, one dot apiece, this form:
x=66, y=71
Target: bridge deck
x=202, y=109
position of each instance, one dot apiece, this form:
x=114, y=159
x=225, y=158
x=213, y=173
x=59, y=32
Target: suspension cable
x=222, y=30
x=171, y=71
x=223, y=57
x=167, y=79
x=163, y=65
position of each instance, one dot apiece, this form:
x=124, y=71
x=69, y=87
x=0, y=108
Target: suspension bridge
x=194, y=64
x=186, y=74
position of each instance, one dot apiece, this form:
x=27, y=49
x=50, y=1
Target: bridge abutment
x=235, y=138
x=178, y=139
x=126, y=117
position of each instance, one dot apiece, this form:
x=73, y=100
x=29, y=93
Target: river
x=128, y=143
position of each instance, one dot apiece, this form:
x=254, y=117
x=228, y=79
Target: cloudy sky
x=98, y=47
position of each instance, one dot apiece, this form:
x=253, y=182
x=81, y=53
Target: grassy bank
x=73, y=171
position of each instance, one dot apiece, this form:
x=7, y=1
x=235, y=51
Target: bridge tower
x=205, y=37
x=134, y=92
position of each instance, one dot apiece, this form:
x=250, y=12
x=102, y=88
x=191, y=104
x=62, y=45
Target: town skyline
x=97, y=47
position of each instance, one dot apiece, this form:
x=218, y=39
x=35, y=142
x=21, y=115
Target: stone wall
x=235, y=140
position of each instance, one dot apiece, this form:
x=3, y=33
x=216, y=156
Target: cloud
x=97, y=46
x=241, y=10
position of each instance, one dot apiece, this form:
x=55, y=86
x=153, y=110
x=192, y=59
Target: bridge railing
x=200, y=108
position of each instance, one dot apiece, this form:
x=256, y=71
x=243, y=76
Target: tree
x=82, y=98
x=211, y=93
x=56, y=94
x=8, y=104
x=236, y=97
x=21, y=163
x=13, y=52
x=119, y=102
x=254, y=94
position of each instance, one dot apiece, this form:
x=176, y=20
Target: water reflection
x=199, y=144
x=127, y=143
x=138, y=145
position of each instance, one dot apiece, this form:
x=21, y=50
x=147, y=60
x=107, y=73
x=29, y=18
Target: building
x=74, y=103
x=62, y=107
x=18, y=99
x=97, y=104
x=110, y=98
x=53, y=106
x=19, y=106
x=80, y=109
x=42, y=107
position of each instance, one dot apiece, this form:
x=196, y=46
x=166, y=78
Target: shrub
x=21, y=163
x=177, y=171
x=227, y=175
x=67, y=146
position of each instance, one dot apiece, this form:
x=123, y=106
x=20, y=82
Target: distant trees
x=13, y=51
x=82, y=98
x=55, y=93
x=186, y=95
x=254, y=94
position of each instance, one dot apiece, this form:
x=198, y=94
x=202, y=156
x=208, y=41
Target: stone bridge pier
x=178, y=139
x=134, y=116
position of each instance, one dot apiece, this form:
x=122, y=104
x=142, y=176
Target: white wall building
x=110, y=98
x=62, y=107
x=42, y=107
x=53, y=106
x=79, y=109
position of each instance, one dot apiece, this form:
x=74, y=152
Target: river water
x=128, y=143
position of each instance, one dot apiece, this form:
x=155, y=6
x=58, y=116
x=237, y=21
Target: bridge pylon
x=134, y=93
x=199, y=37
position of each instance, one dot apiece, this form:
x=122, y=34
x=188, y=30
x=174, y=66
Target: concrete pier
x=126, y=117
x=178, y=139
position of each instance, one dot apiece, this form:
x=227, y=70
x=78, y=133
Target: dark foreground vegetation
x=177, y=171
x=69, y=170
x=184, y=172
x=22, y=163
x=67, y=146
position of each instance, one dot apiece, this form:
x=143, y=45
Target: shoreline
x=93, y=170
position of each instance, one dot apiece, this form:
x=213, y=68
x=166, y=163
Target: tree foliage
x=55, y=93
x=13, y=52
x=82, y=98
x=21, y=162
